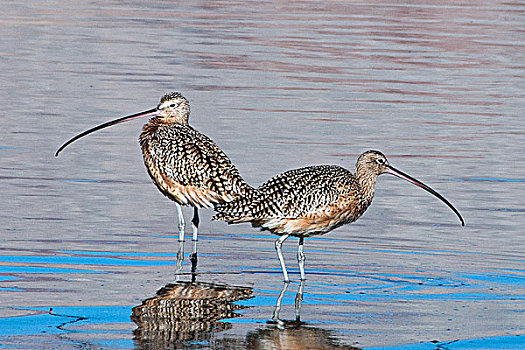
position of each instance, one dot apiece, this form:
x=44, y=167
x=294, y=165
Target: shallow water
x=438, y=87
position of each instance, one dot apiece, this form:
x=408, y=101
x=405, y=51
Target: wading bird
x=313, y=200
x=185, y=165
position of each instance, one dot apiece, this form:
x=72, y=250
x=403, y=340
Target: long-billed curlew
x=313, y=200
x=185, y=165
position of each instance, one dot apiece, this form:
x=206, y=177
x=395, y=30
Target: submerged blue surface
x=512, y=342
x=63, y=320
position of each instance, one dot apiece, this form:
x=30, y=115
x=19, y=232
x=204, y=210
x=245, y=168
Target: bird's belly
x=307, y=225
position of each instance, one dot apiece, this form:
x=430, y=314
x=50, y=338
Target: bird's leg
x=301, y=258
x=277, y=309
x=195, y=222
x=195, y=226
x=193, y=260
x=278, y=247
x=298, y=301
x=180, y=259
x=181, y=224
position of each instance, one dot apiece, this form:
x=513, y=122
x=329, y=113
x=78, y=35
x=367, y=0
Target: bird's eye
x=173, y=105
x=380, y=161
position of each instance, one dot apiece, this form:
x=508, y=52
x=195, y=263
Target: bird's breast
x=321, y=221
x=167, y=159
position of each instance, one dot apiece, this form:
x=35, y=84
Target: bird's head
x=174, y=108
x=373, y=163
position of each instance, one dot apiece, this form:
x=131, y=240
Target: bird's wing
x=192, y=159
x=300, y=192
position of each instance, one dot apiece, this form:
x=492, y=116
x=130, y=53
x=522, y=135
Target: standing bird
x=185, y=165
x=313, y=200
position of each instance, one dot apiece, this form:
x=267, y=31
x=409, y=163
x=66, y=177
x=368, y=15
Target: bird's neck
x=366, y=181
x=181, y=117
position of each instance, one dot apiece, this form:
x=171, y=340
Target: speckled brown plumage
x=182, y=312
x=302, y=202
x=313, y=200
x=188, y=167
x=185, y=165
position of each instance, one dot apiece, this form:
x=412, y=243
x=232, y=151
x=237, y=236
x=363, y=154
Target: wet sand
x=87, y=239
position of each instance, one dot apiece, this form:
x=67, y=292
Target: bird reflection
x=295, y=336
x=180, y=260
x=185, y=315
x=186, y=312
x=292, y=334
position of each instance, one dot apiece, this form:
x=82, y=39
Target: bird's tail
x=239, y=210
x=241, y=187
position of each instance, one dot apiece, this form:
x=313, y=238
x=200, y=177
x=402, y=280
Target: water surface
x=437, y=86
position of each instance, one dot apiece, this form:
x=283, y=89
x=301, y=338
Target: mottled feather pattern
x=189, y=167
x=313, y=200
x=171, y=96
x=303, y=201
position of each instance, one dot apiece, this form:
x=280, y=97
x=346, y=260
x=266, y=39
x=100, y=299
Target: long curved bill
x=149, y=113
x=400, y=174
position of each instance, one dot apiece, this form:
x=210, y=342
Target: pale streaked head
x=173, y=108
x=375, y=163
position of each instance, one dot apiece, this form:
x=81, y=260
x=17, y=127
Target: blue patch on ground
x=10, y=147
x=105, y=253
x=511, y=342
x=497, y=278
x=11, y=289
x=491, y=179
x=60, y=319
x=40, y=269
x=74, y=260
x=7, y=278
